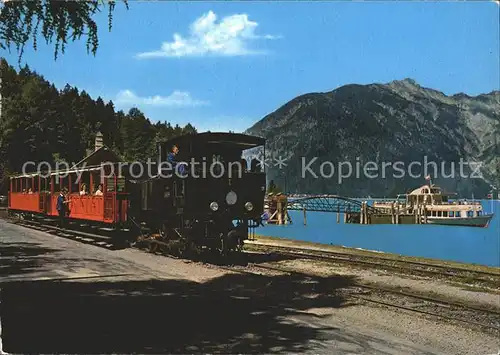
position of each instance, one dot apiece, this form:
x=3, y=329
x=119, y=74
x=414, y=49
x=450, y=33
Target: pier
x=346, y=209
x=354, y=211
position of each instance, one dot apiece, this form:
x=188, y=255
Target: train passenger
x=99, y=190
x=171, y=158
x=61, y=207
x=172, y=154
x=30, y=191
x=83, y=190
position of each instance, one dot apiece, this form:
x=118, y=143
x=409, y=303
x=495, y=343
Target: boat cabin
x=438, y=205
x=426, y=194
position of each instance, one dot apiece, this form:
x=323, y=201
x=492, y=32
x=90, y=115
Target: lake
x=471, y=245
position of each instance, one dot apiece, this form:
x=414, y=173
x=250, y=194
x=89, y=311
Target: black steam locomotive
x=205, y=194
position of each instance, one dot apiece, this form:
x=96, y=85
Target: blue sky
x=230, y=64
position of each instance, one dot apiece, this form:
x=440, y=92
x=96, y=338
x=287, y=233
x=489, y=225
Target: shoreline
x=283, y=241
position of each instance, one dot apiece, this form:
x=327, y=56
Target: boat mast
x=428, y=177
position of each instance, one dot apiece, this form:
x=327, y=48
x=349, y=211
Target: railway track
x=476, y=317
x=103, y=241
x=486, y=319
x=414, y=268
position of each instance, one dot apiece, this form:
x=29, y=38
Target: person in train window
x=83, y=191
x=171, y=158
x=61, y=207
x=30, y=191
x=99, y=190
x=172, y=154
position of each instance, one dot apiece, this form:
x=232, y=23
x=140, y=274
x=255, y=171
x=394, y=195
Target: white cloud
x=228, y=37
x=176, y=99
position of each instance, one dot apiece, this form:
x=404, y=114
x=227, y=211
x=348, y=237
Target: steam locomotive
x=203, y=195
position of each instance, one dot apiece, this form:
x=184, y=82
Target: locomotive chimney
x=98, y=141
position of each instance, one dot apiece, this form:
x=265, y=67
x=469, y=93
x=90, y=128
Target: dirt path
x=128, y=301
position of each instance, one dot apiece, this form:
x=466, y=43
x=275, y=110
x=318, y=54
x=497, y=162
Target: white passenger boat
x=437, y=209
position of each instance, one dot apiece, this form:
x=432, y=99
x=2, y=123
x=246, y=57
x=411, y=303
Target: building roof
x=101, y=155
x=243, y=141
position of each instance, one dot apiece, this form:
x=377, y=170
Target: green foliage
x=273, y=188
x=40, y=123
x=56, y=20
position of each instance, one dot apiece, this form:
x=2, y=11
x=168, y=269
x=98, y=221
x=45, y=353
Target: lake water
x=463, y=244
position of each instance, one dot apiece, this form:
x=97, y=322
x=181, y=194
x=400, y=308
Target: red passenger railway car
x=94, y=195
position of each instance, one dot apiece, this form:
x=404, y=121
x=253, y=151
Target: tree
x=59, y=21
x=40, y=123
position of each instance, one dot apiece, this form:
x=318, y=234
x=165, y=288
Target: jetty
x=424, y=205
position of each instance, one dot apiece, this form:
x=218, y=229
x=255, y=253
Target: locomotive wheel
x=153, y=247
x=183, y=249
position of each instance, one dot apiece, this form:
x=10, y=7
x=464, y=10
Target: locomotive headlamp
x=214, y=206
x=231, y=198
x=249, y=206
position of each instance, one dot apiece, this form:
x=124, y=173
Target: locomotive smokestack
x=98, y=141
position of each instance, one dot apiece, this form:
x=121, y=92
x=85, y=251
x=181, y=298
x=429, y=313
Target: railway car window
x=66, y=182
x=85, y=179
x=57, y=183
x=44, y=186
x=96, y=180
x=36, y=188
x=29, y=184
x=74, y=183
x=110, y=186
x=120, y=184
x=254, y=166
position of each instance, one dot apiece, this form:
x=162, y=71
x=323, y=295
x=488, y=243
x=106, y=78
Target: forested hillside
x=38, y=123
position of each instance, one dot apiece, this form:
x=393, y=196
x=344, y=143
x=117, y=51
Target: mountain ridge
x=399, y=120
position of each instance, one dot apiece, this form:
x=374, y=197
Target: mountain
x=382, y=129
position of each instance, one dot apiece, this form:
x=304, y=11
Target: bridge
x=277, y=207
x=326, y=203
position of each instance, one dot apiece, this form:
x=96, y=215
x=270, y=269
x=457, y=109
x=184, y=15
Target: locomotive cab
x=207, y=193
